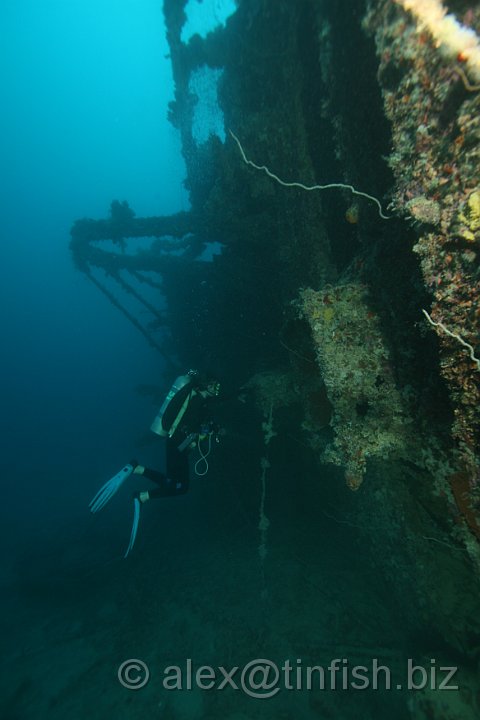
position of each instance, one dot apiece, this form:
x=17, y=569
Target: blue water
x=85, y=88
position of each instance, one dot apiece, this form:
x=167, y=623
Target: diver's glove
x=136, y=520
x=143, y=496
x=108, y=490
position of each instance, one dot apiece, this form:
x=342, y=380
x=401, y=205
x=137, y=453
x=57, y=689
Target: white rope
x=343, y=186
x=203, y=456
x=455, y=336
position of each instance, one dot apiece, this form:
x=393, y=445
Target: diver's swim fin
x=108, y=490
x=136, y=520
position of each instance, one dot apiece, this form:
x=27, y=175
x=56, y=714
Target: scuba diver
x=185, y=423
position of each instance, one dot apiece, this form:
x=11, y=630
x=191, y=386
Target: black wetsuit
x=176, y=480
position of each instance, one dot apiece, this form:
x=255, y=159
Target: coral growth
x=435, y=120
x=271, y=389
x=368, y=416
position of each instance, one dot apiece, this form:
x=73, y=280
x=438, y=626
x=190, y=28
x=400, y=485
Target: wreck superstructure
x=369, y=319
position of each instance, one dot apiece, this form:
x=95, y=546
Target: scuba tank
x=181, y=387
